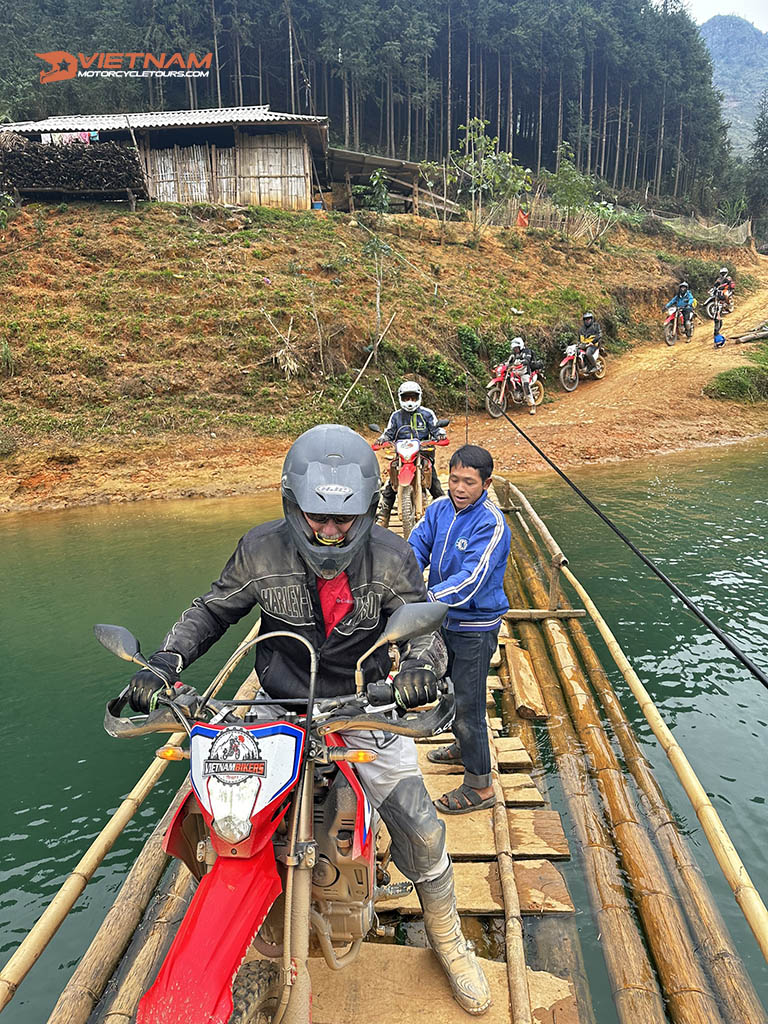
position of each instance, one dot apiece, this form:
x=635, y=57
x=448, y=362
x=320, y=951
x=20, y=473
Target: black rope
x=713, y=627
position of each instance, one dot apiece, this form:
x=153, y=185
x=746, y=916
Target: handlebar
x=428, y=443
x=348, y=712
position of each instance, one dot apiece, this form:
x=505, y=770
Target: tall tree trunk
x=480, y=107
x=381, y=114
x=238, y=62
x=637, y=143
x=510, y=112
x=559, y=121
x=581, y=119
x=290, y=65
x=605, y=125
x=449, y=108
x=679, y=150
x=541, y=110
x=591, y=109
x=618, y=135
x=660, y=150
x=261, y=83
x=345, y=88
x=215, y=52
x=391, y=136
x=498, y=100
x=426, y=106
x=469, y=86
x=408, y=132
x=626, y=139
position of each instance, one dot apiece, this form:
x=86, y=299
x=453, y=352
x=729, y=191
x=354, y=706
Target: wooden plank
x=470, y=836
x=495, y=723
x=529, y=700
x=416, y=990
x=553, y=1000
x=541, y=888
x=494, y=683
x=520, y=790
x=537, y=833
x=511, y=753
x=478, y=891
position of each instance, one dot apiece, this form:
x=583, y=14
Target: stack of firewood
x=77, y=167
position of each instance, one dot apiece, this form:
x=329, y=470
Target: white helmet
x=409, y=394
x=516, y=343
x=723, y=270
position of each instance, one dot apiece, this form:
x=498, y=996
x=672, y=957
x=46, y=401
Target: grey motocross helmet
x=330, y=470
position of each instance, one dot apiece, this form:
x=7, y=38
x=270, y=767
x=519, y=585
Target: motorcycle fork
x=418, y=497
x=297, y=1005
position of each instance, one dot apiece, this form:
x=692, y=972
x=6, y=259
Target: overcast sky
x=755, y=11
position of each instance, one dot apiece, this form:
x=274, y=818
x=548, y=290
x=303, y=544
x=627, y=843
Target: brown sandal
x=445, y=755
x=463, y=800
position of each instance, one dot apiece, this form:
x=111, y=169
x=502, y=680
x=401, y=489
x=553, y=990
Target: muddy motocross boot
x=385, y=511
x=443, y=927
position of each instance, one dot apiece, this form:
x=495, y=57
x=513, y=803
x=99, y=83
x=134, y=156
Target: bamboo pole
x=633, y=982
x=86, y=985
x=46, y=926
x=519, y=997
x=683, y=980
x=733, y=987
x=727, y=856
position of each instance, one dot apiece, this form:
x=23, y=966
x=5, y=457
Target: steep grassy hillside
x=195, y=320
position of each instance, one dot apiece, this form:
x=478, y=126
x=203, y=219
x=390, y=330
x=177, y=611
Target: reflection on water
x=704, y=518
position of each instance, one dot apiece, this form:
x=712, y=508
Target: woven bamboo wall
x=259, y=170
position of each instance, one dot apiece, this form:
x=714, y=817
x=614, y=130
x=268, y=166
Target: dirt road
x=650, y=402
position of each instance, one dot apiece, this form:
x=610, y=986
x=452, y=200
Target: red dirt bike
x=275, y=807
x=410, y=471
x=574, y=365
x=513, y=380
x=719, y=302
x=675, y=326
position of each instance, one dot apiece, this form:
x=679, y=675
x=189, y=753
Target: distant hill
x=740, y=58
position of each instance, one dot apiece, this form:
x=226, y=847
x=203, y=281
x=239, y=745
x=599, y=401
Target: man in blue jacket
x=683, y=300
x=464, y=539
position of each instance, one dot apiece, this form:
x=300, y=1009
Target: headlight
x=571, y=350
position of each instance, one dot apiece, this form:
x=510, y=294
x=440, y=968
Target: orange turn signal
x=170, y=753
x=360, y=756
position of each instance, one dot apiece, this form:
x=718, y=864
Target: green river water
x=703, y=517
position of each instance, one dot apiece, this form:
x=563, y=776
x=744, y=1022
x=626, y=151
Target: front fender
x=406, y=474
x=194, y=984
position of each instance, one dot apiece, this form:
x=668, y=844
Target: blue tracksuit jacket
x=466, y=553
x=681, y=301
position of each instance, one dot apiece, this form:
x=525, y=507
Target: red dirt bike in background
x=719, y=302
x=676, y=326
x=275, y=807
x=513, y=380
x=574, y=366
x=410, y=471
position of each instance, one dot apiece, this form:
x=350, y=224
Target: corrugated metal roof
x=162, y=119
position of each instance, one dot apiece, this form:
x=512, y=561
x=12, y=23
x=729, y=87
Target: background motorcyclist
x=326, y=572
x=724, y=284
x=520, y=353
x=592, y=335
x=420, y=422
x=683, y=300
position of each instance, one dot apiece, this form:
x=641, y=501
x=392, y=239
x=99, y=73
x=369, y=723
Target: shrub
x=743, y=383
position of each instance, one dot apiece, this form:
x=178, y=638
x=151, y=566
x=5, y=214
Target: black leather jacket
x=267, y=571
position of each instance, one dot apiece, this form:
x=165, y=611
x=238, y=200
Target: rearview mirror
x=443, y=423
x=120, y=641
x=407, y=622
x=413, y=620
x=374, y=427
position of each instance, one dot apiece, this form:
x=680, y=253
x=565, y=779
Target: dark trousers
x=469, y=659
x=388, y=494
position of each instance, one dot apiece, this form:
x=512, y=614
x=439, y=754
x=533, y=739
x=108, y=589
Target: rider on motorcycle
x=724, y=284
x=326, y=572
x=592, y=334
x=423, y=424
x=683, y=300
x=520, y=353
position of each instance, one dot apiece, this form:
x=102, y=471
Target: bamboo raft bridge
x=668, y=955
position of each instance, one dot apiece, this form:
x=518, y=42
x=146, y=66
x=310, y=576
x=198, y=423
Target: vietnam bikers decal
x=234, y=754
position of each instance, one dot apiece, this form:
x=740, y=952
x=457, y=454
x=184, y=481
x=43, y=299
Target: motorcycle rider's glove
x=440, y=435
x=382, y=440
x=415, y=684
x=145, y=687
